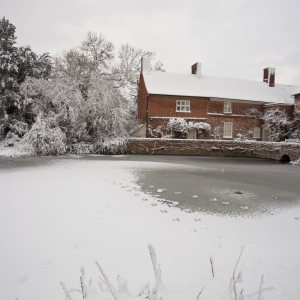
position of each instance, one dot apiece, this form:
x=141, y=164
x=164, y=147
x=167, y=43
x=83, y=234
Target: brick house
x=223, y=103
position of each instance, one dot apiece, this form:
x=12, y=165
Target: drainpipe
x=147, y=117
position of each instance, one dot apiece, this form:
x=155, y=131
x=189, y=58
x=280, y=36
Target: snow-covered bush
x=18, y=129
x=279, y=124
x=201, y=126
x=157, y=132
x=180, y=127
x=217, y=132
x=111, y=145
x=44, y=139
x=296, y=162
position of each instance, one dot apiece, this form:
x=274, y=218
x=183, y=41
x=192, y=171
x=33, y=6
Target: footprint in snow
x=136, y=194
x=197, y=220
x=176, y=220
x=144, y=199
x=297, y=218
x=50, y=262
x=164, y=211
x=153, y=204
x=77, y=245
x=188, y=210
x=22, y=278
x=128, y=190
x=193, y=230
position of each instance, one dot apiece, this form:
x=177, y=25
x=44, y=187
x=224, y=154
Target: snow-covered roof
x=163, y=83
x=296, y=91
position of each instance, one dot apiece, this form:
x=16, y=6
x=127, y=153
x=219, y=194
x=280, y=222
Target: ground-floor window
x=227, y=130
x=256, y=132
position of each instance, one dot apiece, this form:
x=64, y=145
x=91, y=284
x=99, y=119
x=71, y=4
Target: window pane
x=227, y=129
x=182, y=105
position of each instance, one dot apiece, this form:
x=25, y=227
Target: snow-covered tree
x=127, y=71
x=279, y=124
x=16, y=65
x=8, y=53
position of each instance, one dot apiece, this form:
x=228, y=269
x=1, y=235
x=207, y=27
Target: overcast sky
x=232, y=38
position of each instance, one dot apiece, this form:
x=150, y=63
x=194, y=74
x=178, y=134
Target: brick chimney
x=196, y=69
x=146, y=64
x=269, y=76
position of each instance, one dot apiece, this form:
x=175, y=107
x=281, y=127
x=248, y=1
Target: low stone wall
x=254, y=149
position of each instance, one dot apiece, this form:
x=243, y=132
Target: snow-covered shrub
x=295, y=162
x=111, y=145
x=179, y=126
x=18, y=129
x=80, y=148
x=295, y=134
x=201, y=126
x=279, y=124
x=244, y=137
x=44, y=139
x=157, y=132
x=217, y=132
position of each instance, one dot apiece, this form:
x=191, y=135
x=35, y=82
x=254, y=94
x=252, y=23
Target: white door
x=192, y=134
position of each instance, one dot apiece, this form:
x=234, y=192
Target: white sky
x=231, y=38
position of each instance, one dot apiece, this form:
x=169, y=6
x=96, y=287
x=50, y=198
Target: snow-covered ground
x=67, y=213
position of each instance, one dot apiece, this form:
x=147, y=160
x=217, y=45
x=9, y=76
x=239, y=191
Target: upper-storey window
x=183, y=106
x=227, y=107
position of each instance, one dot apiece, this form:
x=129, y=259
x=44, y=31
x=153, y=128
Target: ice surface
x=58, y=217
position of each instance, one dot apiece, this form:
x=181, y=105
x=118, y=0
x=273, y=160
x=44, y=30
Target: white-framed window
x=227, y=130
x=183, y=106
x=256, y=132
x=227, y=107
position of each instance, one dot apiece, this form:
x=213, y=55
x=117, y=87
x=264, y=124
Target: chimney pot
x=146, y=64
x=269, y=76
x=196, y=69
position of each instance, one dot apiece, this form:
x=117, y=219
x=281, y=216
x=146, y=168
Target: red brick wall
x=289, y=110
x=253, y=149
x=242, y=125
x=236, y=107
x=165, y=106
x=142, y=100
x=297, y=102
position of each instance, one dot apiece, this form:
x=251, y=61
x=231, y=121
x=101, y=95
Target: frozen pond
x=226, y=186
x=60, y=213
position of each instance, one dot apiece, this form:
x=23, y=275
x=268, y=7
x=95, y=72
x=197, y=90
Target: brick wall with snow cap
x=249, y=149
